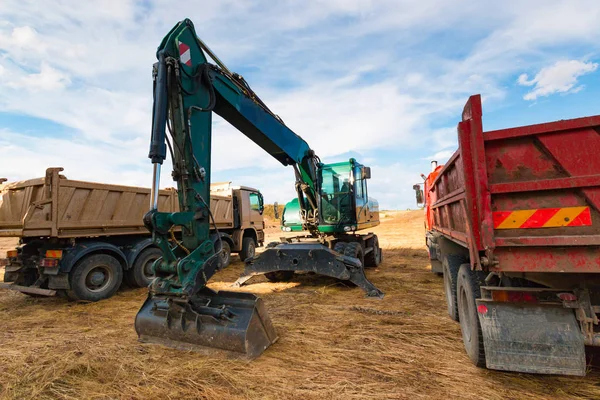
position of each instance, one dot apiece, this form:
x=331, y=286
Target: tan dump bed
x=55, y=206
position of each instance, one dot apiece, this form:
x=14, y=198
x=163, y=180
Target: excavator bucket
x=231, y=321
x=309, y=257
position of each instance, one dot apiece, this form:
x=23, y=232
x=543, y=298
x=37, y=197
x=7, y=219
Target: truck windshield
x=336, y=200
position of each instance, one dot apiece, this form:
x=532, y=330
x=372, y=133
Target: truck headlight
x=347, y=228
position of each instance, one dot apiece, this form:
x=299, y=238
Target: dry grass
x=334, y=344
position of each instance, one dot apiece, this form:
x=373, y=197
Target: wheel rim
x=224, y=255
x=465, y=316
x=251, y=250
x=147, y=270
x=98, y=278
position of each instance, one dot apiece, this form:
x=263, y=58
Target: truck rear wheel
x=140, y=274
x=451, y=265
x=373, y=258
x=248, y=248
x=468, y=289
x=226, y=254
x=95, y=277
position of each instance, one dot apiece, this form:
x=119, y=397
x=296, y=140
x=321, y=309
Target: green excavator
x=331, y=206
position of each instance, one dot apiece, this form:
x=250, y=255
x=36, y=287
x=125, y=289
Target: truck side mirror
x=418, y=194
x=276, y=210
x=366, y=173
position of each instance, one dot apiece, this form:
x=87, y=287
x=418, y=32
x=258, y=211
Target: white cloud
x=349, y=76
x=561, y=77
x=48, y=79
x=441, y=156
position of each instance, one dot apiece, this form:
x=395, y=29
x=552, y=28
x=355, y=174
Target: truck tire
x=451, y=265
x=140, y=274
x=226, y=254
x=95, y=277
x=354, y=249
x=248, y=248
x=373, y=258
x=468, y=289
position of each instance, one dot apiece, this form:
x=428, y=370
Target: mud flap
x=531, y=338
x=309, y=257
x=231, y=321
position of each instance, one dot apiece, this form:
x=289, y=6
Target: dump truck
x=83, y=239
x=513, y=219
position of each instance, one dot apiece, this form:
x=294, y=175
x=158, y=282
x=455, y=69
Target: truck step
x=28, y=289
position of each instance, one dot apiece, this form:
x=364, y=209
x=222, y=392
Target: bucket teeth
x=210, y=321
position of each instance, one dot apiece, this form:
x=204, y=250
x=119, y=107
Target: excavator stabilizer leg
x=230, y=321
x=309, y=257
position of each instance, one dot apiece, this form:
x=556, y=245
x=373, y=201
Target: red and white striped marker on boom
x=185, y=55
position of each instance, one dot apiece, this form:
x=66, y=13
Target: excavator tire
x=373, y=258
x=340, y=247
x=354, y=249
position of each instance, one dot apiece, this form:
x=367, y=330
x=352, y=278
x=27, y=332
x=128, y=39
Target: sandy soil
x=334, y=343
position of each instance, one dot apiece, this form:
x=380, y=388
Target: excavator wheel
x=373, y=258
x=354, y=249
x=340, y=247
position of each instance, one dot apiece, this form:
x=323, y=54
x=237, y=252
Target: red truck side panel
x=526, y=198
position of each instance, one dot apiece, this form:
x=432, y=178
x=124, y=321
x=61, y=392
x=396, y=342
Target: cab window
x=255, y=202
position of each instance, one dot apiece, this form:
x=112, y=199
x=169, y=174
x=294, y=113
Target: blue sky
x=382, y=81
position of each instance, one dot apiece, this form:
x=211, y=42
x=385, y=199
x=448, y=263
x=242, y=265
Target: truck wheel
x=354, y=249
x=226, y=254
x=451, y=265
x=140, y=274
x=373, y=258
x=248, y=248
x=96, y=277
x=468, y=289
x=279, y=276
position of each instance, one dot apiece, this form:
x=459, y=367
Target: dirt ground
x=334, y=343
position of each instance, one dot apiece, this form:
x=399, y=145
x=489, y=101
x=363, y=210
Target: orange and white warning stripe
x=542, y=218
x=185, y=54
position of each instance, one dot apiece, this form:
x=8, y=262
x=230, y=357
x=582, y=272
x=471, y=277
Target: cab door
x=256, y=208
x=361, y=197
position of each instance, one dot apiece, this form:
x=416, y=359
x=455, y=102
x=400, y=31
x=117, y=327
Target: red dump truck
x=83, y=238
x=513, y=219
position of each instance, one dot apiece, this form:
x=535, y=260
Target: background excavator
x=331, y=204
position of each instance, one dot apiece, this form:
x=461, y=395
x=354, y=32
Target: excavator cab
x=344, y=202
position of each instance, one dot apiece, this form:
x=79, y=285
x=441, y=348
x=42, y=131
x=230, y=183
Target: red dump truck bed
x=516, y=226
x=527, y=197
